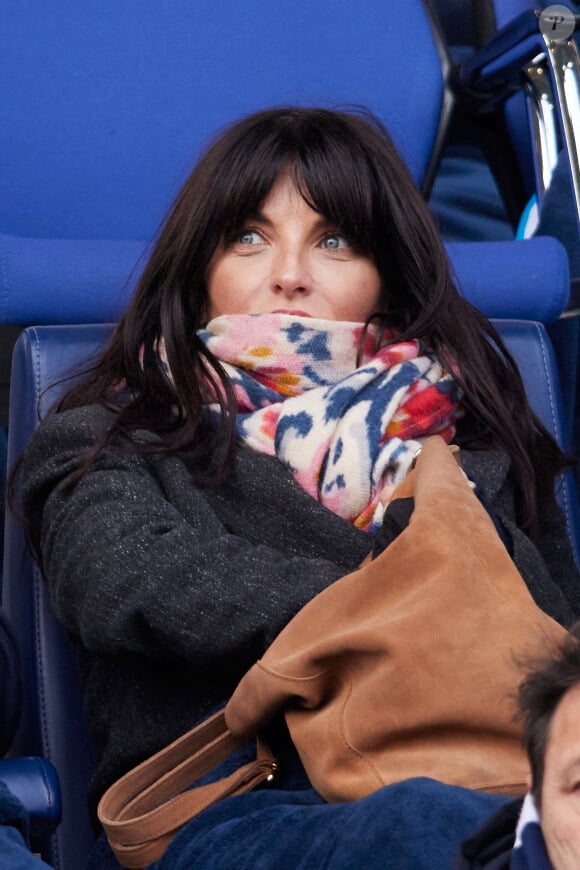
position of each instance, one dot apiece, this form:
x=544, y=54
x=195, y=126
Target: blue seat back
x=105, y=110
x=105, y=107
x=103, y=123
x=53, y=724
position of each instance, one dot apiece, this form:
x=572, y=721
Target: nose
x=291, y=273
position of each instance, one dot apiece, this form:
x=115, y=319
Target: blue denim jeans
x=14, y=849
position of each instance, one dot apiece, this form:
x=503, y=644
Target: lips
x=294, y=311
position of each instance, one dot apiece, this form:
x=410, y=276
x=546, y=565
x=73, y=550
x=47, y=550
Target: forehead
x=344, y=200
x=563, y=748
x=285, y=197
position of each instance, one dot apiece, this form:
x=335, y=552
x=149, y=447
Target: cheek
x=364, y=291
x=561, y=829
x=224, y=288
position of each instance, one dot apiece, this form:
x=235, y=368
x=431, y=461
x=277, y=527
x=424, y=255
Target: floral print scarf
x=342, y=429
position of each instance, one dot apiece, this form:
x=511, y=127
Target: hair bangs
x=331, y=171
x=337, y=182
x=249, y=171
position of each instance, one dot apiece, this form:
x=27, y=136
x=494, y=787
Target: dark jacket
x=490, y=846
x=170, y=591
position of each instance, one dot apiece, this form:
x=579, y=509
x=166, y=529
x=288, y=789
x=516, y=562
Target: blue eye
x=248, y=237
x=334, y=241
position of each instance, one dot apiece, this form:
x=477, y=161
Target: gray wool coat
x=170, y=592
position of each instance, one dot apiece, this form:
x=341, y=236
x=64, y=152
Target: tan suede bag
x=406, y=667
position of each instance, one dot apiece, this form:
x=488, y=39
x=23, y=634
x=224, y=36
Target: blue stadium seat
x=102, y=124
x=106, y=108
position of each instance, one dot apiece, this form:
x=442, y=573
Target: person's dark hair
x=347, y=168
x=539, y=695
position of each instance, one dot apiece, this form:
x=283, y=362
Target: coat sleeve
x=554, y=545
x=128, y=572
x=546, y=563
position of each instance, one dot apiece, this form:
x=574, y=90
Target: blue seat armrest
x=34, y=781
x=501, y=60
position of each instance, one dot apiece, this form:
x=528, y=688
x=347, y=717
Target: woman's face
x=289, y=258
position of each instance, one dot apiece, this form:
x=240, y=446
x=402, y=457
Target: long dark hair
x=347, y=168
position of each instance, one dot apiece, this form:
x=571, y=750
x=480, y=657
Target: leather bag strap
x=141, y=812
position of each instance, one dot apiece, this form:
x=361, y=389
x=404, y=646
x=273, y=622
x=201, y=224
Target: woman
x=214, y=469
